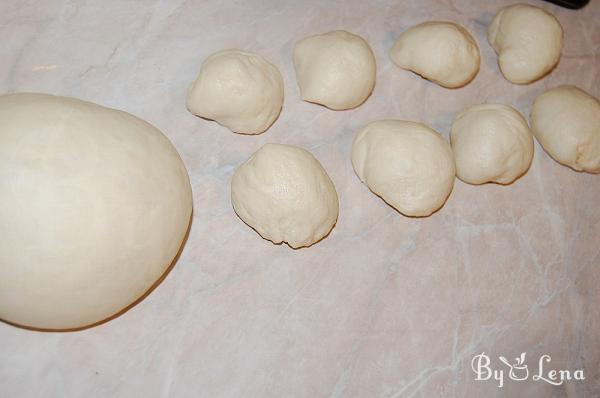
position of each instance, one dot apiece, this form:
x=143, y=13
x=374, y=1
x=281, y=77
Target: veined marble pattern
x=386, y=306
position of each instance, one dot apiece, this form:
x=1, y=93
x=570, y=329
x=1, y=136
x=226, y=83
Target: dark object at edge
x=573, y=4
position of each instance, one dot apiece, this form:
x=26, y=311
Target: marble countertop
x=386, y=306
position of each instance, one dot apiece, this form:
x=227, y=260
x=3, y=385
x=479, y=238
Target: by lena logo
x=519, y=371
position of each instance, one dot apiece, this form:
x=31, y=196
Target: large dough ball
x=239, y=90
x=528, y=41
x=335, y=69
x=95, y=206
x=284, y=193
x=566, y=122
x=491, y=143
x=407, y=164
x=443, y=52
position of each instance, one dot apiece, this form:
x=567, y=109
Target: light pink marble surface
x=386, y=306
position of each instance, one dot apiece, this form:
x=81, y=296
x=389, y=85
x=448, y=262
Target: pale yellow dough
x=491, y=143
x=407, y=164
x=284, y=193
x=566, y=121
x=440, y=51
x=239, y=90
x=95, y=206
x=335, y=69
x=528, y=41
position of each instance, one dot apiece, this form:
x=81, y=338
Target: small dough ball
x=95, y=206
x=491, y=143
x=284, y=193
x=335, y=69
x=239, y=90
x=566, y=122
x=528, y=41
x=443, y=52
x=407, y=164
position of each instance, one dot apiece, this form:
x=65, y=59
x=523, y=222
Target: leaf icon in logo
x=519, y=370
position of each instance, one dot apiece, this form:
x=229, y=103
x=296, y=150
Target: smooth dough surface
x=528, y=41
x=443, y=52
x=239, y=90
x=336, y=69
x=284, y=193
x=407, y=164
x=491, y=143
x=95, y=206
x=566, y=122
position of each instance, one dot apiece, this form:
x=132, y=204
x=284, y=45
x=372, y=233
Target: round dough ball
x=443, y=52
x=95, y=206
x=528, y=41
x=407, y=164
x=335, y=69
x=491, y=143
x=284, y=193
x=239, y=90
x=566, y=122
